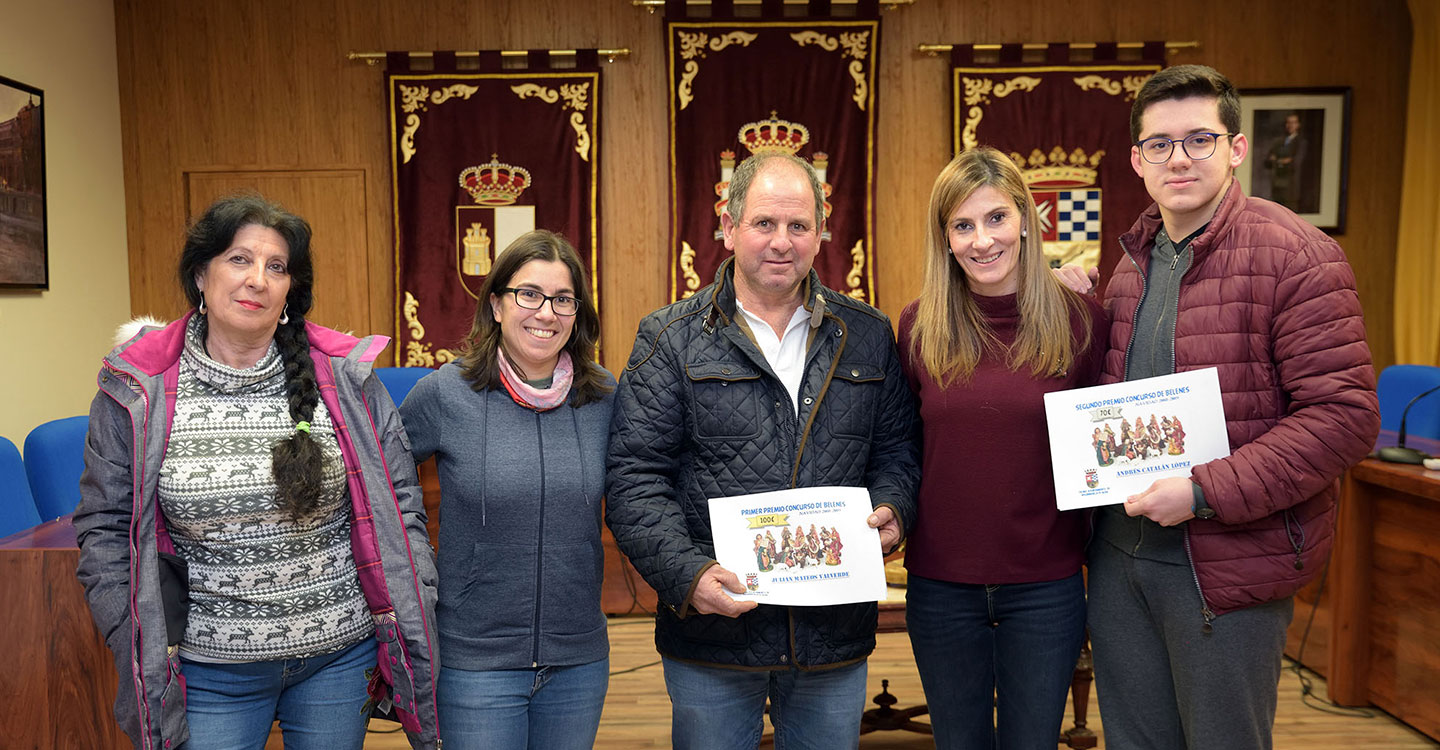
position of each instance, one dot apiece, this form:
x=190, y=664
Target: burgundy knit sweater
x=987, y=495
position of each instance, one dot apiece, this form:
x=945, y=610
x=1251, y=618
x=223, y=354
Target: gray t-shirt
x=1152, y=353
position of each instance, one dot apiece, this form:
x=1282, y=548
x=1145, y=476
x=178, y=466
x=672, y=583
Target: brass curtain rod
x=651, y=5
x=935, y=49
x=374, y=58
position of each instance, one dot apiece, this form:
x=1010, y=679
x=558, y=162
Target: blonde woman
x=996, y=603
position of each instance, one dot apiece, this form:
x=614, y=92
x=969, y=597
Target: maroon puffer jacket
x=1270, y=301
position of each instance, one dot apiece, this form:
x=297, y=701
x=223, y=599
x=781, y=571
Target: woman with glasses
x=995, y=605
x=519, y=427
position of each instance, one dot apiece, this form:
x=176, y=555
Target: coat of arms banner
x=745, y=86
x=1067, y=125
x=478, y=158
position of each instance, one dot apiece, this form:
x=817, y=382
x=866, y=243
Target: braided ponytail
x=297, y=462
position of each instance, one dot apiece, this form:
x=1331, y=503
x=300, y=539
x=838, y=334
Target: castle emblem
x=493, y=221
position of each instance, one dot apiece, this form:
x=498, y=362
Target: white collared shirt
x=785, y=354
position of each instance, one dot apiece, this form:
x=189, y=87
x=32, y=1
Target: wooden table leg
x=1351, y=561
x=1081, y=736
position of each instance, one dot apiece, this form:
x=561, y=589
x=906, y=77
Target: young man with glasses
x=1192, y=581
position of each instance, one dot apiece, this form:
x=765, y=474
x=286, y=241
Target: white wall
x=53, y=340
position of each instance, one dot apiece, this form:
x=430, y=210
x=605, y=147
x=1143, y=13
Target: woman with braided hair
x=252, y=538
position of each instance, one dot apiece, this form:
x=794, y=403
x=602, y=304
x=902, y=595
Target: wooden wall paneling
x=265, y=83
x=334, y=202
x=1258, y=45
x=634, y=180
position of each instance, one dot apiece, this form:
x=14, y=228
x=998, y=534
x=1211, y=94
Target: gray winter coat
x=699, y=414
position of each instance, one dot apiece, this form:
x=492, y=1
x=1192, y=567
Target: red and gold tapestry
x=479, y=157
x=1067, y=125
x=739, y=87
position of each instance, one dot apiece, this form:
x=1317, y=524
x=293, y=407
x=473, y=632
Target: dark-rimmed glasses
x=1197, y=146
x=531, y=299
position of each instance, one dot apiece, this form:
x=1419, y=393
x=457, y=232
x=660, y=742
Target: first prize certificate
x=808, y=546
x=1113, y=441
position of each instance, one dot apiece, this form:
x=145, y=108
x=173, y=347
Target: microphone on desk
x=1399, y=453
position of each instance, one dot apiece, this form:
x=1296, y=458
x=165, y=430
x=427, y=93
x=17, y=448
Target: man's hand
x=884, y=519
x=1078, y=279
x=1167, y=502
x=710, y=598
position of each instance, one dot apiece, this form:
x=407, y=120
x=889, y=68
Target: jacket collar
x=333, y=343
x=152, y=351
x=1142, y=233
x=722, y=295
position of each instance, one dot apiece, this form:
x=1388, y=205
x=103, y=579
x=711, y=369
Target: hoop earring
x=285, y=315
x=202, y=303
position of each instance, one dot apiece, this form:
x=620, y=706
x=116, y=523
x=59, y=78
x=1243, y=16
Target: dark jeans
x=996, y=661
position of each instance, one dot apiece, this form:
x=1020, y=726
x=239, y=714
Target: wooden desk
x=58, y=689
x=1376, y=631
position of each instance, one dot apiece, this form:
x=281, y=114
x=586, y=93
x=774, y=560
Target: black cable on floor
x=1308, y=695
x=635, y=669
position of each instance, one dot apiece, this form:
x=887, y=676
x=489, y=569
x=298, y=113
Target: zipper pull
x=1175, y=261
x=1209, y=616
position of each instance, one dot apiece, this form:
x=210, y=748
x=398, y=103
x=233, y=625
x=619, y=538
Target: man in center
x=764, y=380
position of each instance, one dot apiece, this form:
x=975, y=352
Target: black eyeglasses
x=531, y=299
x=1196, y=145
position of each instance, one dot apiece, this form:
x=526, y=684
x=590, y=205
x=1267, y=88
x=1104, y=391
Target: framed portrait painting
x=1299, y=150
x=24, y=261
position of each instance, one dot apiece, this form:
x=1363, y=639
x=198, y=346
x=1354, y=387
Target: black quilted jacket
x=700, y=414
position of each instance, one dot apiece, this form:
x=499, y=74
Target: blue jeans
x=512, y=709
x=319, y=701
x=723, y=709
x=996, y=661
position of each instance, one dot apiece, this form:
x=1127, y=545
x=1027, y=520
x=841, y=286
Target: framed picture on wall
x=1299, y=150
x=24, y=255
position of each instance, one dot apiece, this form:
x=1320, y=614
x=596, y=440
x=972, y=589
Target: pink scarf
x=530, y=397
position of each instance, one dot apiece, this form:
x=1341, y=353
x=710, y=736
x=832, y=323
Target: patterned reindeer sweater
x=262, y=585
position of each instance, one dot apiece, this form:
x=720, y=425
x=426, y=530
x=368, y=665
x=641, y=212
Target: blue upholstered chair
x=54, y=459
x=17, y=505
x=399, y=380
x=1401, y=383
